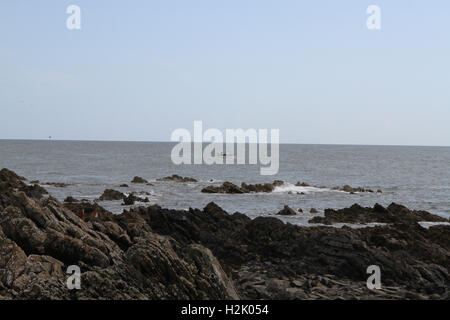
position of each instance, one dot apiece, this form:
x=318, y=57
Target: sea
x=417, y=177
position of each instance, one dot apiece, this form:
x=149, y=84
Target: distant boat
x=221, y=154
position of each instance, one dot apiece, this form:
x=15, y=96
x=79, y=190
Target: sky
x=138, y=70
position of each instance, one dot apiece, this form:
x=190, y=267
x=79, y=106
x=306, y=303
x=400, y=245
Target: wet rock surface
x=177, y=178
x=156, y=253
x=132, y=198
x=394, y=213
x=287, y=212
x=119, y=256
x=110, y=195
x=414, y=261
x=231, y=188
x=138, y=180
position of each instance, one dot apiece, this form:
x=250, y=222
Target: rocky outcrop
x=350, y=189
x=56, y=184
x=84, y=209
x=138, y=180
x=132, y=198
x=177, y=178
x=119, y=256
x=231, y=188
x=272, y=260
x=156, y=253
x=392, y=214
x=345, y=188
x=287, y=212
x=110, y=195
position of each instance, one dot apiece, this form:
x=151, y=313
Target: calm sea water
x=418, y=177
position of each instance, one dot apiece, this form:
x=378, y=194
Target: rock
x=313, y=210
x=287, y=212
x=226, y=187
x=347, y=188
x=138, y=180
x=56, y=184
x=352, y=190
x=231, y=188
x=302, y=184
x=177, y=178
x=84, y=209
x=34, y=191
x=156, y=253
x=111, y=195
x=119, y=256
x=124, y=185
x=70, y=199
x=132, y=198
x=393, y=214
x=300, y=210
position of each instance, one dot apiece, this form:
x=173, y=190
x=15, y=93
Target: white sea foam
x=288, y=187
x=426, y=224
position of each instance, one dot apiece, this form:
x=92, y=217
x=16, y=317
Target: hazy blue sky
x=137, y=70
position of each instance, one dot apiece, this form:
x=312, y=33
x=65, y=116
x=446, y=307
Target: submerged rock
x=56, y=184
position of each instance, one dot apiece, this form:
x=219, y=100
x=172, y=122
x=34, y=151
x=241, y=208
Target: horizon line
x=281, y=143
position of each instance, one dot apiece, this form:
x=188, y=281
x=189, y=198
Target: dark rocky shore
x=231, y=188
x=156, y=253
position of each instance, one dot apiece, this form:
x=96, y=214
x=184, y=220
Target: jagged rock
x=302, y=184
x=84, y=209
x=177, y=178
x=339, y=255
x=393, y=214
x=56, y=184
x=132, y=198
x=34, y=191
x=156, y=253
x=228, y=187
x=70, y=199
x=139, y=180
x=287, y=212
x=119, y=256
x=110, y=195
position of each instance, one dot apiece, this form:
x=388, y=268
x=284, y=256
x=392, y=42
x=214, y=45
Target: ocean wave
x=427, y=224
x=288, y=187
